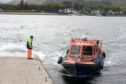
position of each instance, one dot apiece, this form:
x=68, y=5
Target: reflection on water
x=86, y=80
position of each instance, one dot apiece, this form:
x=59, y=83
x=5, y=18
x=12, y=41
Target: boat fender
x=103, y=54
x=60, y=60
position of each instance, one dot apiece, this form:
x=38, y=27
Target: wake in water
x=18, y=50
x=12, y=48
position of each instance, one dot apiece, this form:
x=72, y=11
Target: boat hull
x=80, y=70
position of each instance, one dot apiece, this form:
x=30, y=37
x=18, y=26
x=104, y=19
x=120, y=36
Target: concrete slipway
x=17, y=70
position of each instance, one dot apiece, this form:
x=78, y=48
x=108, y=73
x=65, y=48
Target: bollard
x=39, y=68
x=45, y=79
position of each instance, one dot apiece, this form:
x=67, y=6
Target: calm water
x=51, y=38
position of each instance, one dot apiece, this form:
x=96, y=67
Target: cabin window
x=87, y=50
x=75, y=49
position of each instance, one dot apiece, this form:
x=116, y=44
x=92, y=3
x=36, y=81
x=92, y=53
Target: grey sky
x=5, y=1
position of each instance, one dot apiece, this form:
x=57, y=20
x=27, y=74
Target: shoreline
x=40, y=13
x=31, y=13
x=51, y=14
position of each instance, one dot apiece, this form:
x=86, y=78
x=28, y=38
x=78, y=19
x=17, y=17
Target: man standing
x=29, y=47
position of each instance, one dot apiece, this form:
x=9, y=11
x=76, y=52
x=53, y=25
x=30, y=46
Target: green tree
x=21, y=5
x=67, y=4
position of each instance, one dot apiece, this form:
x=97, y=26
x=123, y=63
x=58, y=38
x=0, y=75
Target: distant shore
x=39, y=13
x=49, y=13
x=32, y=13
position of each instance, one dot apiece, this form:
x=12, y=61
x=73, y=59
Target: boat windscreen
x=87, y=50
x=75, y=49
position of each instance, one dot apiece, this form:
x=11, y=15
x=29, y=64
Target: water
x=51, y=38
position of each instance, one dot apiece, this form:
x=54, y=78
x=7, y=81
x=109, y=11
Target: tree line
x=37, y=8
x=85, y=7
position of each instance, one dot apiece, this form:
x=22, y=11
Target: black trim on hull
x=78, y=70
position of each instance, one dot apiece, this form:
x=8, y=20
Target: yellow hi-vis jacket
x=29, y=43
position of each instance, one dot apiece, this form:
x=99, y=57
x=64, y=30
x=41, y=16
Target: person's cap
x=31, y=36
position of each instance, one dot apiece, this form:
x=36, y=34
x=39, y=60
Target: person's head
x=31, y=37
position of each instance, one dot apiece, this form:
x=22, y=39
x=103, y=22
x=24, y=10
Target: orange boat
x=83, y=58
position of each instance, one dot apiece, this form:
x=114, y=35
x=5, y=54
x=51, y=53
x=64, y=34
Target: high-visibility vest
x=29, y=43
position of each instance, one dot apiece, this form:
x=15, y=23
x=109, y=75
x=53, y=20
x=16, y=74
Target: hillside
x=119, y=2
x=39, y=2
x=36, y=2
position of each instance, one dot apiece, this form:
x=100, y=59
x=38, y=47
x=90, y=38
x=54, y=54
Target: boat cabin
x=84, y=47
